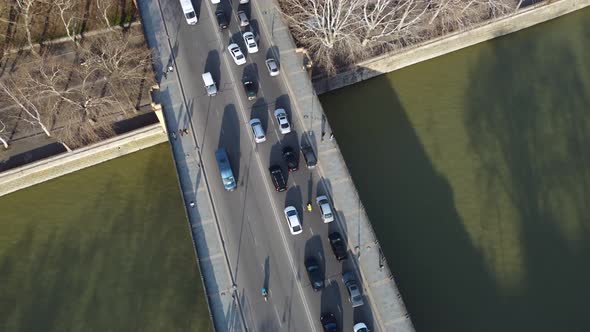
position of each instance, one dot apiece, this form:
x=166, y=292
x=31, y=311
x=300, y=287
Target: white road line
x=278, y=316
x=267, y=184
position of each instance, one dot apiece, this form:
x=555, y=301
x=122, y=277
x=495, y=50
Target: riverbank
x=50, y=168
x=527, y=17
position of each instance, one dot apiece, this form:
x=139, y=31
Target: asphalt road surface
x=261, y=250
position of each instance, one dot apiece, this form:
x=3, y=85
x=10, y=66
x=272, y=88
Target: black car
x=314, y=273
x=221, y=19
x=291, y=159
x=329, y=322
x=338, y=246
x=309, y=156
x=278, y=179
x=250, y=88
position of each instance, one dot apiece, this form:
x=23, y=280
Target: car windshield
x=328, y=215
x=291, y=213
x=357, y=298
x=284, y=125
x=330, y=326
x=191, y=15
x=296, y=228
x=312, y=268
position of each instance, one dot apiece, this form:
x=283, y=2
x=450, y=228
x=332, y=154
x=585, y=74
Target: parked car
x=257, y=130
x=290, y=159
x=250, y=88
x=221, y=19
x=215, y=1
x=243, y=18
x=272, y=66
x=250, y=41
x=329, y=322
x=354, y=292
x=325, y=209
x=283, y=121
x=278, y=179
x=314, y=273
x=338, y=246
x=360, y=327
x=293, y=220
x=236, y=54
x=309, y=156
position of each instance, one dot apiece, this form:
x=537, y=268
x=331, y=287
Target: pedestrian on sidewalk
x=331, y=136
x=186, y=131
x=180, y=132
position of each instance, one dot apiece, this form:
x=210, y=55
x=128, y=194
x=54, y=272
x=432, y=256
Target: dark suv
x=309, y=156
x=250, y=88
x=278, y=179
x=338, y=246
x=329, y=322
x=221, y=19
x=314, y=274
x=290, y=159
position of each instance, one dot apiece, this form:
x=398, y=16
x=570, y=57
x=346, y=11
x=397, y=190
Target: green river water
x=474, y=168
x=106, y=248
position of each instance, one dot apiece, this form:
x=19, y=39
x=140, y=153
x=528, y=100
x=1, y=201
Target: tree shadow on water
x=411, y=207
x=528, y=126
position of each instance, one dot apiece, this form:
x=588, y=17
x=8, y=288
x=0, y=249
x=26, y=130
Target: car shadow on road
x=315, y=249
x=213, y=66
x=331, y=301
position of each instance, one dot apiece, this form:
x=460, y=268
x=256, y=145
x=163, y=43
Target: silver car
x=283, y=121
x=272, y=66
x=325, y=209
x=243, y=18
x=257, y=130
x=293, y=220
x=354, y=292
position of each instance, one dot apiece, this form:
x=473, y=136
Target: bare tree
x=3, y=134
x=23, y=96
x=25, y=11
x=66, y=10
x=103, y=7
x=387, y=21
x=327, y=28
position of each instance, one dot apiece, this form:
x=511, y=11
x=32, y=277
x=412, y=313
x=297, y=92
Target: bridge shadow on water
x=533, y=178
x=411, y=207
x=531, y=137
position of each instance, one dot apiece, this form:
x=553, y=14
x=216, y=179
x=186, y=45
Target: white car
x=360, y=327
x=250, y=41
x=325, y=209
x=215, y=1
x=236, y=54
x=283, y=121
x=244, y=1
x=257, y=130
x=272, y=66
x=293, y=220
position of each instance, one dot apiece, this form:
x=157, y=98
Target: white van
x=189, y=12
x=209, y=84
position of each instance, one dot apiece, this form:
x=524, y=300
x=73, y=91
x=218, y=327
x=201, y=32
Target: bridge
x=241, y=237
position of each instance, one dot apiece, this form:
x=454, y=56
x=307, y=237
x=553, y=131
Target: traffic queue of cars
x=290, y=157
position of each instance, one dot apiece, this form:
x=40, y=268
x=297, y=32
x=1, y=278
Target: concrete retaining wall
x=65, y=163
x=392, y=61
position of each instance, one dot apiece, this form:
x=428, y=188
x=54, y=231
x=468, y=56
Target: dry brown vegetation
x=73, y=92
x=44, y=19
x=340, y=32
